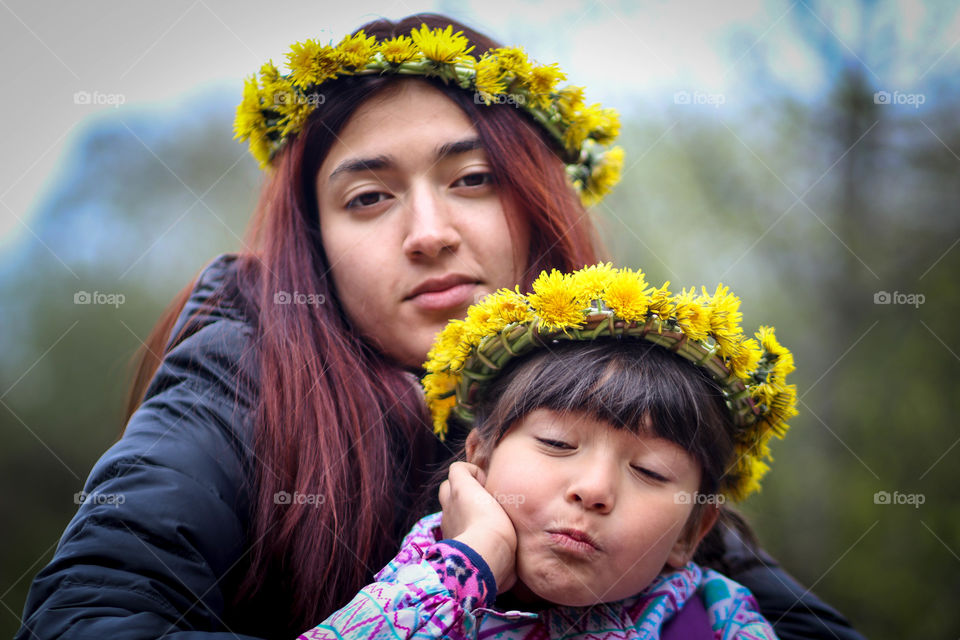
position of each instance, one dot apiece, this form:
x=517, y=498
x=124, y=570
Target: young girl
x=610, y=422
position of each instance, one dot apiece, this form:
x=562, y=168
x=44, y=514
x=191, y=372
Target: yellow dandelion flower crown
x=601, y=301
x=275, y=107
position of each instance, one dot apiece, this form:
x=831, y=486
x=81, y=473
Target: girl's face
x=412, y=223
x=599, y=512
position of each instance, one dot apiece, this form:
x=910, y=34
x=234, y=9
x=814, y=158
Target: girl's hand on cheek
x=474, y=517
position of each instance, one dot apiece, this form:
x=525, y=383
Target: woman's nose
x=594, y=487
x=430, y=225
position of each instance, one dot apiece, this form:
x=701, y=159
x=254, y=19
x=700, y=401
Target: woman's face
x=411, y=220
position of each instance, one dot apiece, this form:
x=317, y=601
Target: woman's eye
x=474, y=180
x=648, y=473
x=554, y=444
x=367, y=199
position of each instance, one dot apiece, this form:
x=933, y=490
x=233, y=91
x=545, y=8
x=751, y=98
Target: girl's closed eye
x=555, y=444
x=649, y=473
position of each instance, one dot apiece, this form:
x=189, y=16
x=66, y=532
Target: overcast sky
x=67, y=62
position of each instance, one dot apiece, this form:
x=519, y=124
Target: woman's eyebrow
x=362, y=164
x=385, y=162
x=461, y=146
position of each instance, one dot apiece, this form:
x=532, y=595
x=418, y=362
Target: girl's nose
x=430, y=225
x=595, y=486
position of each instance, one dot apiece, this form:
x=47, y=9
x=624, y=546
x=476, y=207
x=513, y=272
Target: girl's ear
x=475, y=450
x=686, y=545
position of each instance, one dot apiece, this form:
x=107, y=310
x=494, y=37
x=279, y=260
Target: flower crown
x=276, y=107
x=600, y=301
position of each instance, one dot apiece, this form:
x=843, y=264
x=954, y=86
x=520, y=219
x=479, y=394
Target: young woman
x=276, y=396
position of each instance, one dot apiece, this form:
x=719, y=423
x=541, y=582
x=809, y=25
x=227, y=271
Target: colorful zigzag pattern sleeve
x=430, y=597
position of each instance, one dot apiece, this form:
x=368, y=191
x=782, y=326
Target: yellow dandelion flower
x=606, y=125
x=399, y=50
x=661, y=301
x=782, y=408
x=588, y=284
x=249, y=117
x=356, y=50
x=489, y=80
x=480, y=322
x=311, y=63
x=725, y=313
x=757, y=470
x=765, y=393
x=512, y=60
x=268, y=73
x=725, y=319
x=555, y=302
x=626, y=294
x=692, y=317
x=569, y=101
x=441, y=45
x=296, y=116
x=261, y=148
x=441, y=383
x=492, y=314
x=509, y=306
x=603, y=177
x=581, y=124
x=541, y=80
x=447, y=348
x=778, y=358
x=784, y=365
x=768, y=338
x=441, y=408
x=746, y=358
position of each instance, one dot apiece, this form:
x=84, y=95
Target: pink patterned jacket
x=443, y=589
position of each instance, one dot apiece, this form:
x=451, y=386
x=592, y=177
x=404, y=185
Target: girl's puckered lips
x=574, y=540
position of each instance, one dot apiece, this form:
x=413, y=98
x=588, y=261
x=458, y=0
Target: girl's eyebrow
x=376, y=163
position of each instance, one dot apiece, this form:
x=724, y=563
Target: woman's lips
x=438, y=294
x=456, y=296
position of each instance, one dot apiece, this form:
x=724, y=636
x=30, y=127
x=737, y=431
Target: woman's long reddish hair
x=330, y=410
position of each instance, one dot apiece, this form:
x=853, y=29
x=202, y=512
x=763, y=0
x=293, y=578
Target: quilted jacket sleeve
x=162, y=518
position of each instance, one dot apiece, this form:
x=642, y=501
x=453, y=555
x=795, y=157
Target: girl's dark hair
x=333, y=417
x=629, y=384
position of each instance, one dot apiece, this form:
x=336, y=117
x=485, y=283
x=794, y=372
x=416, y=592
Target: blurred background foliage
x=808, y=206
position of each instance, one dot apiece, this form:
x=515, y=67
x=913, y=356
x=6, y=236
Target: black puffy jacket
x=160, y=543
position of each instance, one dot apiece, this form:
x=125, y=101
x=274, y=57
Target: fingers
x=462, y=471
x=444, y=494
